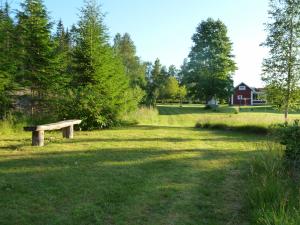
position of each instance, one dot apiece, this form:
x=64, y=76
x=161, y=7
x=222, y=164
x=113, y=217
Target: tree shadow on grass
x=142, y=155
x=116, y=186
x=158, y=139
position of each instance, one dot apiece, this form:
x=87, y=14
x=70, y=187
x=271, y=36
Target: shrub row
x=256, y=129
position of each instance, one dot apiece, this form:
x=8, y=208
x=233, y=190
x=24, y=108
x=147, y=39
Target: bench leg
x=68, y=132
x=38, y=138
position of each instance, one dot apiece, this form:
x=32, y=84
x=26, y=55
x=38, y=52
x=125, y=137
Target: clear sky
x=163, y=28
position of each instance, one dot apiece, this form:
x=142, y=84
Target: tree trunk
x=286, y=113
x=289, y=78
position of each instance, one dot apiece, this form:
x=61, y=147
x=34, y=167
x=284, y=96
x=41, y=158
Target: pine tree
x=281, y=70
x=101, y=89
x=36, y=68
x=7, y=59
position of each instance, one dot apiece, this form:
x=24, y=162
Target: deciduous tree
x=134, y=68
x=281, y=70
x=211, y=64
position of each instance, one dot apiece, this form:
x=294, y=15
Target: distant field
x=163, y=171
x=189, y=115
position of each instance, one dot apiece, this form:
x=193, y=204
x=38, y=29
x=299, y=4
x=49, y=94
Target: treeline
x=49, y=71
x=74, y=73
x=69, y=74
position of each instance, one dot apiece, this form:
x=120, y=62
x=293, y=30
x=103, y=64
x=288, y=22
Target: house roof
x=244, y=85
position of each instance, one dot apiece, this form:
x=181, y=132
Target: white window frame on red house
x=242, y=88
x=240, y=97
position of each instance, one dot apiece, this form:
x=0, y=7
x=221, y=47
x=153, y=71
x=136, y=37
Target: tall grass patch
x=143, y=115
x=12, y=124
x=272, y=192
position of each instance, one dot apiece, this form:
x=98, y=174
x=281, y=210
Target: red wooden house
x=245, y=95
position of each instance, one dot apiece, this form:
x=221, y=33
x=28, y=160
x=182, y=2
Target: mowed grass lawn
x=158, y=174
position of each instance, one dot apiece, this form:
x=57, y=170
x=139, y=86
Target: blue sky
x=163, y=28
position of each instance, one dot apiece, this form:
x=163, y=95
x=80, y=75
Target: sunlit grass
x=138, y=175
x=163, y=171
x=189, y=115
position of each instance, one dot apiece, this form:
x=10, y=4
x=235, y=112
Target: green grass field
x=163, y=171
x=189, y=115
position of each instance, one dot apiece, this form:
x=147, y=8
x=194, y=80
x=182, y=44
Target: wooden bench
x=67, y=127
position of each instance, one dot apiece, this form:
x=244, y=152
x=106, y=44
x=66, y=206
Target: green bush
x=289, y=136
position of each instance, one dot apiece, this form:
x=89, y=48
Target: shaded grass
x=255, y=129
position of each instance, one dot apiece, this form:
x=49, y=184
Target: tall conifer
x=7, y=58
x=36, y=69
x=102, y=89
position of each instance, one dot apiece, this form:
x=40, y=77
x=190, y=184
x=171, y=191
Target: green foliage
x=271, y=193
x=172, y=71
x=36, y=69
x=163, y=84
x=101, y=90
x=134, y=68
x=289, y=135
x=281, y=68
x=170, y=89
x=182, y=93
x=7, y=59
x=154, y=82
x=210, y=67
x=63, y=60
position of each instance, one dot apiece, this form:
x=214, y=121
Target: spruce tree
x=62, y=51
x=36, y=71
x=7, y=59
x=101, y=88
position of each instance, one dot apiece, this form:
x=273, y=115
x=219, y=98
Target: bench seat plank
x=53, y=126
